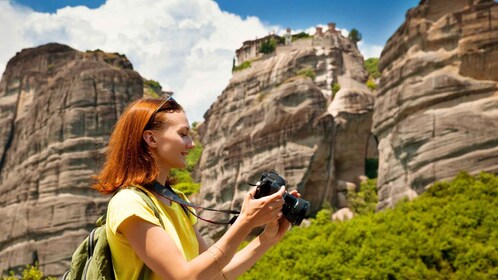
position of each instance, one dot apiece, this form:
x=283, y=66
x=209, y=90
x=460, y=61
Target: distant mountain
x=57, y=108
x=436, y=110
x=300, y=107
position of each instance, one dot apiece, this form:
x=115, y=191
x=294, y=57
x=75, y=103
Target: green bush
x=31, y=272
x=372, y=67
x=307, y=72
x=335, y=87
x=242, y=66
x=371, y=84
x=364, y=201
x=268, y=46
x=449, y=232
x=301, y=35
x=184, y=181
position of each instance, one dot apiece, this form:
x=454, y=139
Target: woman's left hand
x=275, y=230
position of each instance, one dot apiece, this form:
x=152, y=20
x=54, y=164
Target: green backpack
x=92, y=259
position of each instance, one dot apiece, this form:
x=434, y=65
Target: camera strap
x=168, y=193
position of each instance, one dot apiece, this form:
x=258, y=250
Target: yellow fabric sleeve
x=127, y=203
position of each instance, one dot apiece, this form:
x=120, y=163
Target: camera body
x=294, y=209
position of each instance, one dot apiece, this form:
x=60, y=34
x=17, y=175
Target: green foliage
x=155, y=85
x=372, y=66
x=371, y=84
x=307, y=72
x=268, y=46
x=364, y=201
x=152, y=88
x=31, y=272
x=242, y=66
x=355, y=35
x=184, y=181
x=335, y=87
x=301, y=35
x=449, y=232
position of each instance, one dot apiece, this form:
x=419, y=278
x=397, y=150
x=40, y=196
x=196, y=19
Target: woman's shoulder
x=129, y=195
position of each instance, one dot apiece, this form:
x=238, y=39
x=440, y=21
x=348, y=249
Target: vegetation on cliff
x=268, y=46
x=152, y=88
x=31, y=272
x=449, y=232
x=185, y=182
x=355, y=35
x=372, y=67
x=244, y=65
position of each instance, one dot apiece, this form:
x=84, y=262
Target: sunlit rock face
x=436, y=112
x=57, y=108
x=280, y=114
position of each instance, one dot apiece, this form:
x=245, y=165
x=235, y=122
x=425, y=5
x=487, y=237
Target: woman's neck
x=163, y=176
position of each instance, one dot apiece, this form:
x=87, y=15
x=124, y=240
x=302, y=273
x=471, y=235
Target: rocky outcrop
x=436, y=112
x=57, y=108
x=280, y=114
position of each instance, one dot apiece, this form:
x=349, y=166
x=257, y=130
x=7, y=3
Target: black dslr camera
x=294, y=209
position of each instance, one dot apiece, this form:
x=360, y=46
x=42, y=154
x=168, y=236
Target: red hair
x=128, y=158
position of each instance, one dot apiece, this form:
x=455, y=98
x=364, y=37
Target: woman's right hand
x=261, y=211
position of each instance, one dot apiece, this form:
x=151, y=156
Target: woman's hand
x=275, y=230
x=261, y=211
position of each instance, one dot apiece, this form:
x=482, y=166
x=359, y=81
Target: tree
x=268, y=46
x=355, y=35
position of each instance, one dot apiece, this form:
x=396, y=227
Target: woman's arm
x=248, y=256
x=159, y=252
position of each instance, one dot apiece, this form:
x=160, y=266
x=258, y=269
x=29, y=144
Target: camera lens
x=294, y=209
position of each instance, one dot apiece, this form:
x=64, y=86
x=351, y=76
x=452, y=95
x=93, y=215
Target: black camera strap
x=168, y=193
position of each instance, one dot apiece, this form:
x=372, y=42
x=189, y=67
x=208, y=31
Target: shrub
x=364, y=201
x=185, y=182
x=371, y=84
x=31, y=272
x=448, y=232
x=268, y=46
x=152, y=88
x=301, y=35
x=307, y=72
x=335, y=87
x=372, y=67
x=242, y=66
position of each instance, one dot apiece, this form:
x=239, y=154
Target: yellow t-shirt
x=127, y=203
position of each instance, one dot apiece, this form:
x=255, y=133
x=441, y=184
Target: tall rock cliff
x=280, y=114
x=436, y=112
x=57, y=108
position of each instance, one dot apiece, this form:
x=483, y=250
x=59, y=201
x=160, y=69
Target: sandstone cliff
x=57, y=108
x=436, y=112
x=280, y=114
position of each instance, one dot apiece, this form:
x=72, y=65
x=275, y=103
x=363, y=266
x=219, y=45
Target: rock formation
x=57, y=108
x=436, y=111
x=280, y=114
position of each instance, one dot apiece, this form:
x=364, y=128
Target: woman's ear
x=148, y=136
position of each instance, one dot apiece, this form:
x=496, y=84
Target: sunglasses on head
x=169, y=99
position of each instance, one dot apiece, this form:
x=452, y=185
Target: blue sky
x=187, y=45
x=376, y=20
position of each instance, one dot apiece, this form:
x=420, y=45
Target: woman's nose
x=190, y=143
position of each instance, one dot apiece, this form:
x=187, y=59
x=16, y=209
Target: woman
x=151, y=137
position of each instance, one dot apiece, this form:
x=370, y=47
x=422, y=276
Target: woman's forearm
x=246, y=258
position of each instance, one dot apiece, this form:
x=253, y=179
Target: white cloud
x=369, y=51
x=187, y=45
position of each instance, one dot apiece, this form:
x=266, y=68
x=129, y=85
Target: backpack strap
x=149, y=202
x=145, y=273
